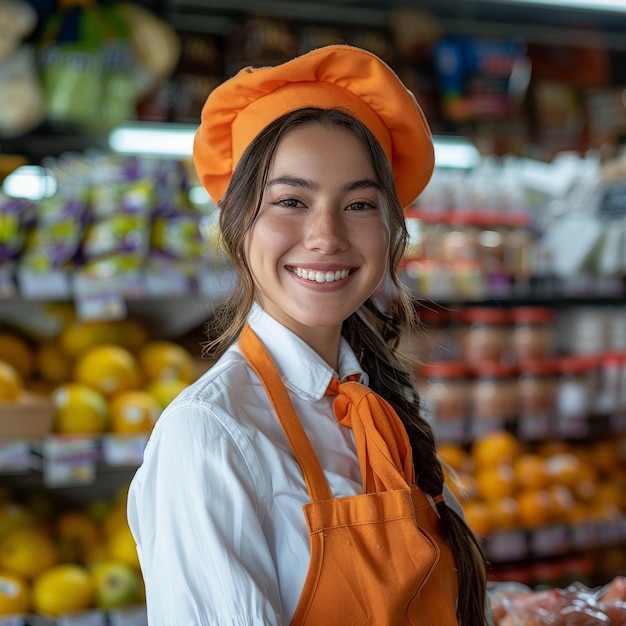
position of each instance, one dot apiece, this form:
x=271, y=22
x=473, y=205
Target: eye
x=288, y=202
x=361, y=206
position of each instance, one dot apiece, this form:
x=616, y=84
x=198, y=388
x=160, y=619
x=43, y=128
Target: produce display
x=58, y=560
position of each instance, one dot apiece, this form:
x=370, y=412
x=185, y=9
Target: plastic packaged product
x=532, y=335
x=444, y=394
x=487, y=335
x=494, y=397
x=575, y=397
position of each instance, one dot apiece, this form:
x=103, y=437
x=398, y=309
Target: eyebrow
x=295, y=181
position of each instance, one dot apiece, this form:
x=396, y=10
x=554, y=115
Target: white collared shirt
x=216, y=506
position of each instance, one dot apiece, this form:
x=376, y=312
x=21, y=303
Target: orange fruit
x=504, y=513
x=108, y=369
x=167, y=360
x=133, y=412
x=494, y=448
x=14, y=594
x=461, y=484
x=455, y=456
x=565, y=468
x=27, y=552
x=531, y=471
x=79, y=409
x=63, y=588
x=563, y=502
x=11, y=383
x=496, y=482
x=478, y=517
x=165, y=390
x=17, y=352
x=76, y=533
x=536, y=508
x=53, y=364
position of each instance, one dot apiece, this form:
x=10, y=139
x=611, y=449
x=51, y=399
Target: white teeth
x=320, y=277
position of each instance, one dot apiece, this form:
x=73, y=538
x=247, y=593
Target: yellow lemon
x=81, y=335
x=108, y=369
x=76, y=534
x=122, y=547
x=63, y=588
x=12, y=516
x=166, y=359
x=133, y=412
x=115, y=518
x=11, y=383
x=53, y=364
x=17, y=352
x=27, y=552
x=165, y=390
x=14, y=596
x=79, y=409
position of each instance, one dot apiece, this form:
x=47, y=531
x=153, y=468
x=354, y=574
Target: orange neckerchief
x=382, y=444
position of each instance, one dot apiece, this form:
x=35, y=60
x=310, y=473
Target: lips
x=318, y=276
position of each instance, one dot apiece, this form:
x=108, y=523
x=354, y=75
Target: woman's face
x=319, y=245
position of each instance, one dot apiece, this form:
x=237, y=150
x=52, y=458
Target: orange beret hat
x=337, y=76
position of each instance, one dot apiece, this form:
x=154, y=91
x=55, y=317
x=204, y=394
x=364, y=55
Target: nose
x=326, y=232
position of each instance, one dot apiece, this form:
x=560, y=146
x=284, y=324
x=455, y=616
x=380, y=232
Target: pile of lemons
x=58, y=561
x=505, y=484
x=101, y=376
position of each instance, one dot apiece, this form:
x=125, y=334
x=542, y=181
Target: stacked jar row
x=489, y=368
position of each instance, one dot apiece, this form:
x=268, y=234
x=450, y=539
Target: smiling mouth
x=317, y=276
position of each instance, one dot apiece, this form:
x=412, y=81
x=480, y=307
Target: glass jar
x=532, y=336
x=487, y=335
x=536, y=389
x=444, y=396
x=494, y=397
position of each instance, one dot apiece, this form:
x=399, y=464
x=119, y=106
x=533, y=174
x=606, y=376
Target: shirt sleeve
x=193, y=508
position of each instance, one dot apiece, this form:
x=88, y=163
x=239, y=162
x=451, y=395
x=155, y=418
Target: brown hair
x=372, y=333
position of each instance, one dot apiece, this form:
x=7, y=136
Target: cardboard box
x=30, y=417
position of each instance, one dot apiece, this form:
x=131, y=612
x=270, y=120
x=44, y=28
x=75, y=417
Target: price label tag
x=507, y=546
x=69, y=461
x=15, y=456
x=119, y=451
x=550, y=540
x=7, y=283
x=13, y=620
x=88, y=618
x=129, y=616
x=100, y=306
x=54, y=284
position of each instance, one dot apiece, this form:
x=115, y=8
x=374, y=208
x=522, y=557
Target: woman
x=279, y=488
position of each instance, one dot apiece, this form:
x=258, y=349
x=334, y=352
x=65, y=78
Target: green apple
x=116, y=584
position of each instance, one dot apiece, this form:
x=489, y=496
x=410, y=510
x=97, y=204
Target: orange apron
x=376, y=559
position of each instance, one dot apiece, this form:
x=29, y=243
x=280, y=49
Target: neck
x=325, y=341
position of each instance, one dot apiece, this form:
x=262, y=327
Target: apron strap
x=261, y=362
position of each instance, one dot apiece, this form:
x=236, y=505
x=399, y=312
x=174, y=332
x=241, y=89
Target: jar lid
x=531, y=314
x=444, y=369
x=537, y=367
x=613, y=359
x=577, y=363
x=488, y=315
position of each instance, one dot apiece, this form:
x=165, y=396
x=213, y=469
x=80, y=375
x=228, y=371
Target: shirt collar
x=303, y=371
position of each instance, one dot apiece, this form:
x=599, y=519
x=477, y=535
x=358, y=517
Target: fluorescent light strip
x=618, y=6
x=177, y=141
x=154, y=140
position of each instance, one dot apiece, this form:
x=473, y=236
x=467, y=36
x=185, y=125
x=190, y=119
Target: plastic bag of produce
x=576, y=605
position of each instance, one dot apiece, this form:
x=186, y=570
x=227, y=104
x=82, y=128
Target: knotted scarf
x=382, y=444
